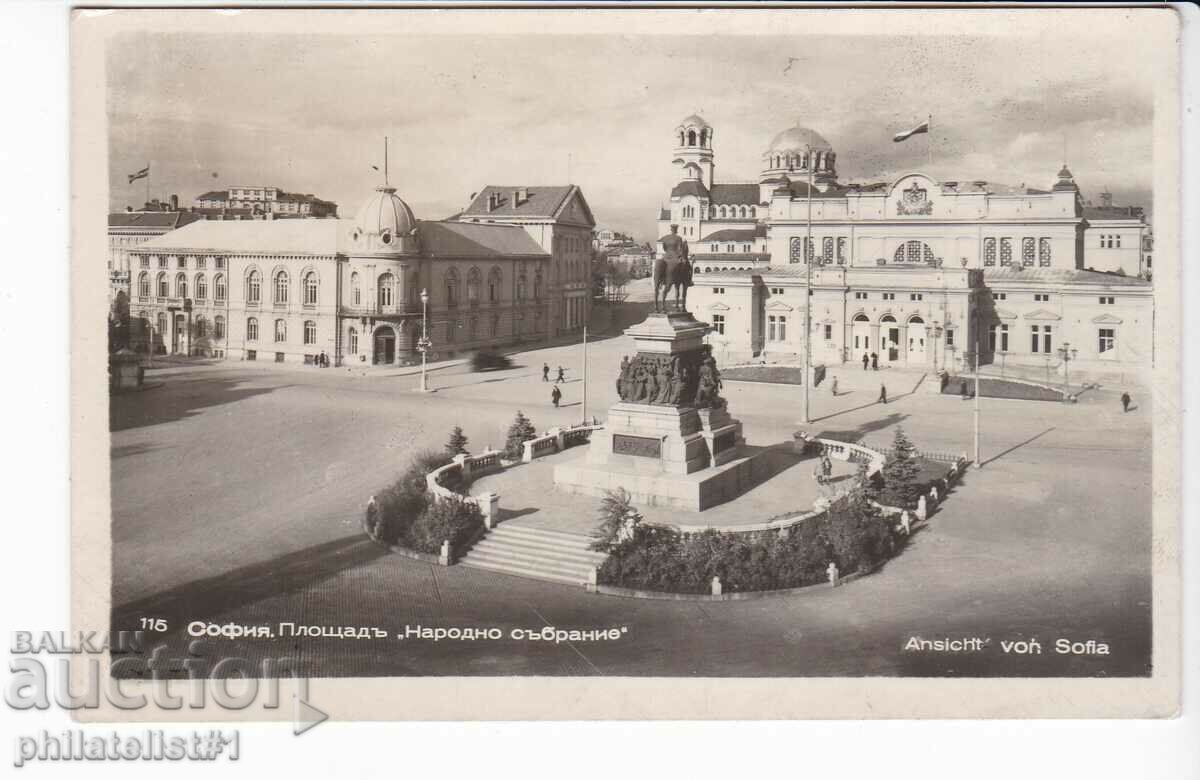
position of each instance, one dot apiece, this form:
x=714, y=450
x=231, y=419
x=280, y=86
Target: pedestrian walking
x=833, y=387
x=545, y=372
x=1125, y=401
x=556, y=395
x=874, y=361
x=962, y=388
x=866, y=361
x=562, y=375
x=883, y=394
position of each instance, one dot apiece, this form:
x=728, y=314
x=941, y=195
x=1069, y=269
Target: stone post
x=527, y=451
x=593, y=579
x=922, y=511
x=464, y=463
x=559, y=441
x=489, y=504
x=933, y=494
x=444, y=558
x=832, y=572
x=716, y=586
x=905, y=522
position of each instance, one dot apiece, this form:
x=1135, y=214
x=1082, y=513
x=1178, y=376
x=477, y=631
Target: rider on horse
x=672, y=270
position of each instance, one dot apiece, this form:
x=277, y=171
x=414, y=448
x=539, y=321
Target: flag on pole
x=143, y=173
x=921, y=128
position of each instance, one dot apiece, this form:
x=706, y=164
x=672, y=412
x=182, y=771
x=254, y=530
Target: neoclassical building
x=288, y=290
x=916, y=270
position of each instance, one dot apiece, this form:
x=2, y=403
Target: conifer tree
x=900, y=472
x=519, y=432
x=457, y=445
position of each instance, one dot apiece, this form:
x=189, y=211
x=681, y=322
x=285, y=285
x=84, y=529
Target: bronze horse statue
x=672, y=270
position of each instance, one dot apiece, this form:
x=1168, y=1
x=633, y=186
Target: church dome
x=385, y=222
x=798, y=139
x=695, y=120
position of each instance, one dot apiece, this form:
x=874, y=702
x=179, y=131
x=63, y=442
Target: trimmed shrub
x=614, y=508
x=519, y=432
x=448, y=518
x=398, y=505
x=853, y=534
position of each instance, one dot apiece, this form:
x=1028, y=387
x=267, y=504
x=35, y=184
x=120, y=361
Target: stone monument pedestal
x=670, y=441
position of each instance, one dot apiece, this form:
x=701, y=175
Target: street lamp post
x=1067, y=353
x=424, y=344
x=978, y=463
x=937, y=332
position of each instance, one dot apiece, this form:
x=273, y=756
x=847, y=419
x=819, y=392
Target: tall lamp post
x=937, y=332
x=1067, y=353
x=969, y=358
x=423, y=343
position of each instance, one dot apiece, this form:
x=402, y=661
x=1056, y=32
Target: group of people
x=555, y=392
x=871, y=360
x=321, y=360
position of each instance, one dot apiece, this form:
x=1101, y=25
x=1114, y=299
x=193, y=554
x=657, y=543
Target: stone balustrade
x=557, y=440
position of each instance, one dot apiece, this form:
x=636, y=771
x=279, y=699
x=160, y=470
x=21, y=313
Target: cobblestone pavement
x=237, y=495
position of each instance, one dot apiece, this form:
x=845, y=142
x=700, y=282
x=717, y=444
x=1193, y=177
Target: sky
x=309, y=113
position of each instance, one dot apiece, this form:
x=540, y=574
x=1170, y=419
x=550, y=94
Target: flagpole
x=930, y=144
x=147, y=186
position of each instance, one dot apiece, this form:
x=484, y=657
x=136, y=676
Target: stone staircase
x=536, y=553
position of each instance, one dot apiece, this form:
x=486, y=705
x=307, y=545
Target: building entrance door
x=179, y=341
x=861, y=335
x=385, y=346
x=916, y=340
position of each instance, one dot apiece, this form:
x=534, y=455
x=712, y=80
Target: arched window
x=355, y=290
x=161, y=321
x=143, y=285
x=414, y=288
x=310, y=332
x=452, y=287
x=281, y=287
x=796, y=250
x=537, y=285
x=1006, y=251
x=280, y=330
x=691, y=136
x=495, y=279
x=841, y=250
x=181, y=286
x=387, y=289
x=521, y=287
x=742, y=212
x=913, y=252
x=827, y=249
x=722, y=212
x=753, y=213
x=219, y=327
x=472, y=328
x=989, y=251
x=861, y=318
x=712, y=212
x=163, y=288
x=474, y=279
x=352, y=341
x=201, y=287
x=887, y=318
x=704, y=137
x=201, y=325
x=254, y=287
x=252, y=329
x=1044, y=252
x=681, y=138
x=1027, y=250
x=310, y=288
x=495, y=325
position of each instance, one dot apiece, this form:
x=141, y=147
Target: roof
x=690, y=187
x=214, y=195
x=694, y=119
x=664, y=213
x=1113, y=212
x=1060, y=276
x=469, y=239
x=544, y=202
x=734, y=234
x=734, y=194
x=799, y=189
x=730, y=257
x=798, y=138
x=152, y=219
x=331, y=236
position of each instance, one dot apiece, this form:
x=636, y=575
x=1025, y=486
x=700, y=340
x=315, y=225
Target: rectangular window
x=776, y=291
x=162, y=262
x=278, y=357
x=1041, y=297
x=1000, y=296
x=916, y=296
x=1118, y=241
x=1046, y=344
x=718, y=291
x=782, y=328
x=1108, y=340
x=1033, y=338
x=201, y=262
x=998, y=338
x=1107, y=300
x=220, y=263
x=889, y=296
x=949, y=337
x=145, y=261
x=860, y=296
x=251, y=354
x=829, y=333
x=719, y=323
x=181, y=262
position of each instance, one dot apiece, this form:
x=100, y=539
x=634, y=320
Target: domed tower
x=796, y=152
x=385, y=225
x=693, y=149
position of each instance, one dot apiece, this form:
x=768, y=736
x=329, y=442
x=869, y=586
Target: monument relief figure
x=672, y=270
x=652, y=384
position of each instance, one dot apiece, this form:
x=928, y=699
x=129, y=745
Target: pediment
x=1042, y=314
x=1107, y=319
x=778, y=306
x=1005, y=314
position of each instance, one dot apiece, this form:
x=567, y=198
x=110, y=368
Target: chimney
x=174, y=203
x=491, y=204
x=1106, y=199
x=517, y=200
x=129, y=209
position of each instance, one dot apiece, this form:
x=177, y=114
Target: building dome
x=385, y=222
x=695, y=120
x=798, y=139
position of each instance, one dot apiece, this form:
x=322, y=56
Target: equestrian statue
x=672, y=270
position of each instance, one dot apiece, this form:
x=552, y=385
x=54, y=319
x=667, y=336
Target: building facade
x=129, y=229
x=261, y=201
x=288, y=290
x=917, y=271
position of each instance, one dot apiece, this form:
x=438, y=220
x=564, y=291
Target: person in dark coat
x=556, y=396
x=562, y=375
x=962, y=388
x=874, y=361
x=883, y=394
x=1125, y=401
x=866, y=361
x=545, y=372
